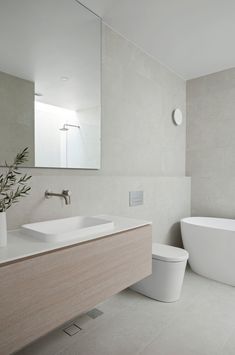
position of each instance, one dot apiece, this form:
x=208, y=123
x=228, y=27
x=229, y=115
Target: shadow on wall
x=174, y=235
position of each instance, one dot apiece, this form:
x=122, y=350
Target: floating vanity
x=45, y=284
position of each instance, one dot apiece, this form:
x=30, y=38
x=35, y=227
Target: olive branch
x=12, y=185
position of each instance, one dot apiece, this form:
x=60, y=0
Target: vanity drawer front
x=40, y=293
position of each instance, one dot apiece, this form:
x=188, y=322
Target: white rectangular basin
x=62, y=230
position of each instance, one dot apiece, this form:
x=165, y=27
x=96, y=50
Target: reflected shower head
x=66, y=125
x=64, y=129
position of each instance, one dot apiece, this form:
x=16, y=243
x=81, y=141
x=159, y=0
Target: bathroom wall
x=211, y=143
x=166, y=200
x=141, y=149
x=139, y=95
x=17, y=112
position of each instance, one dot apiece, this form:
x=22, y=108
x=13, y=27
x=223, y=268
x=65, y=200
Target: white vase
x=3, y=229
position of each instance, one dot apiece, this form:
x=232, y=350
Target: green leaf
x=11, y=187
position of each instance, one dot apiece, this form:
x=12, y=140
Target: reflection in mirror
x=50, y=61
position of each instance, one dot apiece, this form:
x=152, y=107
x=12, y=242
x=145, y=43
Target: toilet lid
x=168, y=253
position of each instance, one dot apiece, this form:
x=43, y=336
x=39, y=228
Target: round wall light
x=177, y=116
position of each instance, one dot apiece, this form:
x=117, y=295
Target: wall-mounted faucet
x=65, y=195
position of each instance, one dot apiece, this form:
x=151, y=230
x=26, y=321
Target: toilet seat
x=168, y=253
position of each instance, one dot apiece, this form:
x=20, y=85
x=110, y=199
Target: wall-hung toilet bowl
x=168, y=268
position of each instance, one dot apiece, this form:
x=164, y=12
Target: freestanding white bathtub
x=211, y=246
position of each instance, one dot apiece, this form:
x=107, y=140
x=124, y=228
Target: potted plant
x=13, y=186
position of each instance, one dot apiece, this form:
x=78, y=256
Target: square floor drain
x=94, y=313
x=72, y=330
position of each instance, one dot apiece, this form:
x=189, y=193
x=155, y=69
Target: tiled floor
x=201, y=323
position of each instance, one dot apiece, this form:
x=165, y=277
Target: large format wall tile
x=211, y=143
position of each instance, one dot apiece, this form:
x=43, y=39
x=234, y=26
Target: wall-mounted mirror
x=50, y=61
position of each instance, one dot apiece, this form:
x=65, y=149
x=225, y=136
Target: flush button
x=136, y=198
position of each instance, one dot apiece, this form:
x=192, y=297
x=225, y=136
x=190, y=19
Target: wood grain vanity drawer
x=42, y=292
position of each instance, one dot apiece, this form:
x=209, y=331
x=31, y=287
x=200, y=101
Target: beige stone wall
x=211, y=143
x=16, y=117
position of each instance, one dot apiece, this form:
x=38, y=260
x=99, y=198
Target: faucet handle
x=67, y=193
x=47, y=194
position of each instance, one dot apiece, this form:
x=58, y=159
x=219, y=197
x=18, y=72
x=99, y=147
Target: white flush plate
x=136, y=198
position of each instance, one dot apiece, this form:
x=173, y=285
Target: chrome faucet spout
x=66, y=195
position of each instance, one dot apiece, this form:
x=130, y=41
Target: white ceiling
x=44, y=41
x=191, y=37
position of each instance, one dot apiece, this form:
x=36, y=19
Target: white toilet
x=167, y=277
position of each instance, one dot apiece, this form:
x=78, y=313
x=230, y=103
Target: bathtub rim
x=225, y=224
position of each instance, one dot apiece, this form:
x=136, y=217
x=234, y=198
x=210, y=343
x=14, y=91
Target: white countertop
x=21, y=246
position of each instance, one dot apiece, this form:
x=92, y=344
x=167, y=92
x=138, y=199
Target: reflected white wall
x=83, y=145
x=47, y=135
